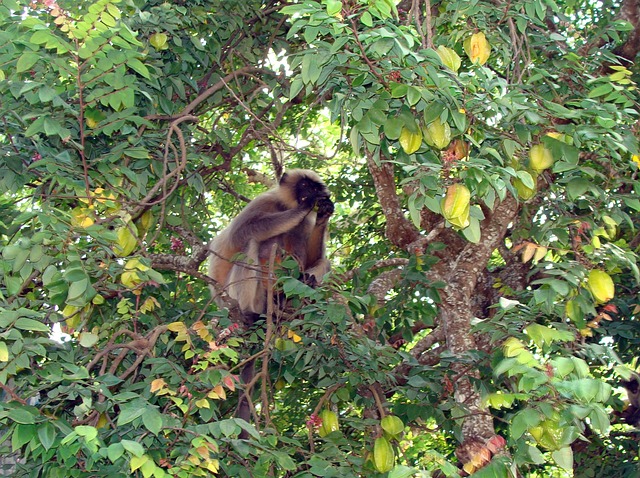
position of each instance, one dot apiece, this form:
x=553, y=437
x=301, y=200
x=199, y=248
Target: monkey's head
x=305, y=187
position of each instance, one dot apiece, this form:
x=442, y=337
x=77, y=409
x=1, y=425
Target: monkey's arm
x=317, y=264
x=260, y=224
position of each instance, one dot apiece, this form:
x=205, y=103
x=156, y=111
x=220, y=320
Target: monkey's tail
x=244, y=410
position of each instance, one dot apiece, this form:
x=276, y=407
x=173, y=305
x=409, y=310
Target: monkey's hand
x=308, y=201
x=324, y=208
x=309, y=279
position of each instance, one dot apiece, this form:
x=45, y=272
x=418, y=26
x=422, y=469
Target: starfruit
x=449, y=58
x=145, y=222
x=126, y=240
x=329, y=422
x=477, y=48
x=130, y=277
x=437, y=134
x=410, y=141
x=601, y=286
x=548, y=434
x=540, y=158
x=159, y=41
x=383, y=455
x=455, y=205
x=524, y=192
x=392, y=425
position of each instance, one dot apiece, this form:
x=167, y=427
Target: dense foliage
x=483, y=304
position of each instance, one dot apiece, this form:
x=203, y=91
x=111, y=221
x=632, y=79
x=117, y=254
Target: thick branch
x=400, y=231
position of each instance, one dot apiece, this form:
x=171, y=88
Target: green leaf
x=152, y=420
x=46, y=434
x=88, y=340
x=77, y=288
x=523, y=420
x=115, y=451
x=30, y=324
x=130, y=413
x=139, y=67
x=334, y=7
x=472, y=232
x=393, y=128
x=401, y=471
x=27, y=60
x=88, y=432
x=601, y=90
x=564, y=458
x=133, y=447
x=284, y=461
x=577, y=187
x=21, y=415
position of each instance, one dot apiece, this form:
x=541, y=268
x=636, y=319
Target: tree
x=483, y=303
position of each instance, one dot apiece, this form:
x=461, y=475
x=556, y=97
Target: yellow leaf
x=136, y=265
x=202, y=403
x=449, y=58
x=177, y=327
x=130, y=279
x=4, y=352
x=137, y=461
x=217, y=393
x=528, y=251
x=157, y=384
x=82, y=217
x=151, y=303
x=293, y=336
x=212, y=465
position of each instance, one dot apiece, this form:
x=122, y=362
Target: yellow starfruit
x=410, y=141
x=540, y=158
x=437, y=134
x=601, y=286
x=477, y=48
x=455, y=205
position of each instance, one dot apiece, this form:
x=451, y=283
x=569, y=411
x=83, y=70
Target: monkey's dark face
x=308, y=191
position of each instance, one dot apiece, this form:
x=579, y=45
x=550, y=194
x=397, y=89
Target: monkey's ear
x=283, y=178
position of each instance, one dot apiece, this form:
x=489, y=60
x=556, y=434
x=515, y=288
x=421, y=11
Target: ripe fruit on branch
x=540, y=158
x=383, y=455
x=437, y=134
x=329, y=422
x=455, y=205
x=410, y=141
x=477, y=48
x=601, y=286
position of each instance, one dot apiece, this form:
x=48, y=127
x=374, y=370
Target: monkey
x=631, y=414
x=294, y=216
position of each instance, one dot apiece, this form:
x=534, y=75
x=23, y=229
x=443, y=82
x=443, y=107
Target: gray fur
x=284, y=216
